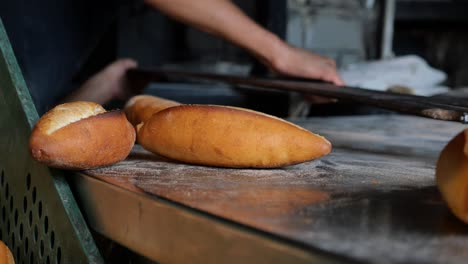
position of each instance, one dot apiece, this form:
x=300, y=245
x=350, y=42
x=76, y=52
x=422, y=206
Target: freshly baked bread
x=228, y=137
x=141, y=107
x=5, y=254
x=452, y=175
x=81, y=135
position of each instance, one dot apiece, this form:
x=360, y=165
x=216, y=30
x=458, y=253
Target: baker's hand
x=108, y=84
x=299, y=62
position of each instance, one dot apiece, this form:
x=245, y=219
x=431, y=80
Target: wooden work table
x=373, y=199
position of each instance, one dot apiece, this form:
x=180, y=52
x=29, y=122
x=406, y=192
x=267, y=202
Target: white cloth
x=409, y=71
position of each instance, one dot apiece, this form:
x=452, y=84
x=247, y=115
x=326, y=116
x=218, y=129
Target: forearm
x=224, y=19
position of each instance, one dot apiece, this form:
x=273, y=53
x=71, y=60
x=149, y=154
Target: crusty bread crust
x=93, y=141
x=452, y=175
x=64, y=114
x=228, y=137
x=5, y=254
x=141, y=107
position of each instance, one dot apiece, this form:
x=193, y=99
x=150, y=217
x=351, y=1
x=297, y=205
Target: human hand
x=297, y=62
x=106, y=85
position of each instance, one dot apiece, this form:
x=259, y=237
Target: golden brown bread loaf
x=452, y=175
x=141, y=107
x=81, y=135
x=5, y=254
x=228, y=137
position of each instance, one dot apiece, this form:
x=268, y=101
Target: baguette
x=452, y=175
x=225, y=136
x=81, y=135
x=5, y=254
x=141, y=107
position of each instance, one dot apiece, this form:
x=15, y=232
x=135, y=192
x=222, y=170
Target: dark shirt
x=52, y=40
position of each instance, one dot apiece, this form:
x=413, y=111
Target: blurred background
x=349, y=31
x=411, y=46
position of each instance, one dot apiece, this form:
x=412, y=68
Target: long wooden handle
x=441, y=109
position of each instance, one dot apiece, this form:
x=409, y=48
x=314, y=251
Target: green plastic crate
x=39, y=218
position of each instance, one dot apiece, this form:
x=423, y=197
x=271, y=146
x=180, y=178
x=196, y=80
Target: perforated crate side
x=39, y=218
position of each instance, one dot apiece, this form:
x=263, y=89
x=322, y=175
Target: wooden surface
x=372, y=199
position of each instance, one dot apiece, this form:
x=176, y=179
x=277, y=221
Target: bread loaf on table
x=81, y=135
x=141, y=107
x=228, y=137
x=5, y=254
x=452, y=175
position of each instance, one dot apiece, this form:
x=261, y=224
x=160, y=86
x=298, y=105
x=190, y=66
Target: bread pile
x=222, y=136
x=82, y=135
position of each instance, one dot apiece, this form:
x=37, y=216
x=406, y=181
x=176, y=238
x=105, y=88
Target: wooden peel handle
x=433, y=108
